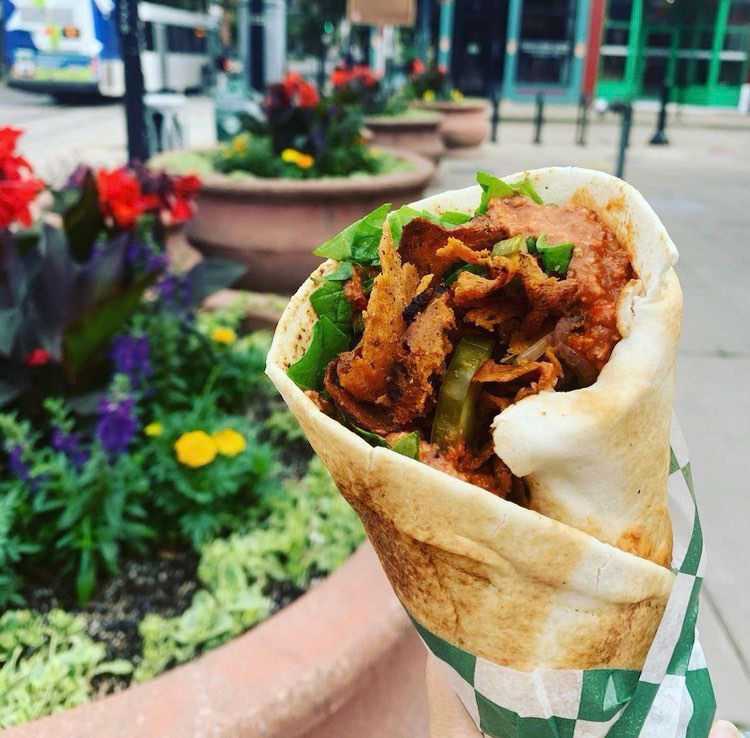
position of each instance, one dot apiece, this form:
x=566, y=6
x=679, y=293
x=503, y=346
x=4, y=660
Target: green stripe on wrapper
x=671, y=698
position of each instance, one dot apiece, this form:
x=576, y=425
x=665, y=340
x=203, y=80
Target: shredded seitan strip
x=426, y=347
x=364, y=372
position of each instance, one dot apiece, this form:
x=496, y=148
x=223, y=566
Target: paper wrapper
x=671, y=697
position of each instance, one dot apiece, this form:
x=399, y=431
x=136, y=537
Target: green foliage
x=309, y=531
x=282, y=428
x=47, y=663
x=197, y=504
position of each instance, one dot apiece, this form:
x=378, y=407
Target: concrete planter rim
x=419, y=119
x=324, y=188
x=297, y=691
x=454, y=106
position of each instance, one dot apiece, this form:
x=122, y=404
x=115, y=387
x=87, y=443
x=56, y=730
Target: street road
x=700, y=187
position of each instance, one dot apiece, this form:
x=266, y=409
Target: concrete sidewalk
x=700, y=187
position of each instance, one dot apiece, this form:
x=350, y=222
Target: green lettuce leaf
x=326, y=344
x=359, y=241
x=329, y=301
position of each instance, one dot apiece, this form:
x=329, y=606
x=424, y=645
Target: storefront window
x=613, y=68
x=546, y=42
x=730, y=73
x=619, y=10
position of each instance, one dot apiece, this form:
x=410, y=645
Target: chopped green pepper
x=452, y=274
x=456, y=406
x=510, y=246
x=555, y=257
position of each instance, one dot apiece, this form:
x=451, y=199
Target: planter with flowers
x=466, y=122
x=289, y=182
x=389, y=119
x=156, y=500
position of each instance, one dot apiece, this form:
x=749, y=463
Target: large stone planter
x=466, y=123
x=272, y=225
x=342, y=661
x=417, y=131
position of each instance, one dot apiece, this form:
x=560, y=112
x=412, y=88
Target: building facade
x=699, y=49
x=608, y=48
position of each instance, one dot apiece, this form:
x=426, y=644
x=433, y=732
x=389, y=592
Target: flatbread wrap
x=488, y=375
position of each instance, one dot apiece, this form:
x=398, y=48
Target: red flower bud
x=37, y=357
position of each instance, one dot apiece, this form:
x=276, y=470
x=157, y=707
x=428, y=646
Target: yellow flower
x=224, y=335
x=292, y=156
x=239, y=145
x=428, y=95
x=229, y=442
x=195, y=449
x=457, y=95
x=152, y=430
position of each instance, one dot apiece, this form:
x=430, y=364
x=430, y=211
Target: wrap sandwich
x=488, y=374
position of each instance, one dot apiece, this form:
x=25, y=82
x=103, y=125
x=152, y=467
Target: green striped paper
x=671, y=697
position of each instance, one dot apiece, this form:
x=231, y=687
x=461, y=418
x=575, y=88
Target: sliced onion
x=533, y=352
x=583, y=368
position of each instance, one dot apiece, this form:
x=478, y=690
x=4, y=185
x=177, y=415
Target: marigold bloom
x=292, y=156
x=195, y=449
x=229, y=442
x=457, y=95
x=428, y=95
x=154, y=430
x=223, y=334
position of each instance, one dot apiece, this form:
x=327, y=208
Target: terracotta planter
x=342, y=661
x=272, y=225
x=466, y=123
x=418, y=132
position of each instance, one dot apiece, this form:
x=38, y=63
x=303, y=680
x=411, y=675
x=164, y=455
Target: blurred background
x=256, y=98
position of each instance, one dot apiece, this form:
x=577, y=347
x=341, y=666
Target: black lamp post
x=135, y=111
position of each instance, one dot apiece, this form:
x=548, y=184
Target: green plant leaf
x=209, y=276
x=86, y=577
x=359, y=241
x=94, y=328
x=82, y=220
x=326, y=344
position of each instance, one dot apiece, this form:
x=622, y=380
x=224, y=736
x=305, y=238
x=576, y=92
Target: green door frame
x=526, y=91
x=631, y=84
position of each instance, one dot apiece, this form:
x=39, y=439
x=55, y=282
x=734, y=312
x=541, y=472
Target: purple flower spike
x=117, y=425
x=131, y=356
x=70, y=445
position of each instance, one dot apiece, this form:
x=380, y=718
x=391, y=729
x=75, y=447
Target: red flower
x=418, y=67
x=299, y=92
x=17, y=188
x=37, y=357
x=341, y=76
x=15, y=198
x=179, y=203
x=120, y=197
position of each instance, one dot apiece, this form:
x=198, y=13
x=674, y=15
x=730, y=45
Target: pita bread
x=579, y=581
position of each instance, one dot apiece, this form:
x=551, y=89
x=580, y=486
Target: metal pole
x=135, y=110
x=275, y=47
x=495, y=111
x=660, y=136
x=627, y=115
x=539, y=118
x=422, y=35
x=583, y=119
x=243, y=37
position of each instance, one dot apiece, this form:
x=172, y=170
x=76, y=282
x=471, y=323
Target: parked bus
x=71, y=47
